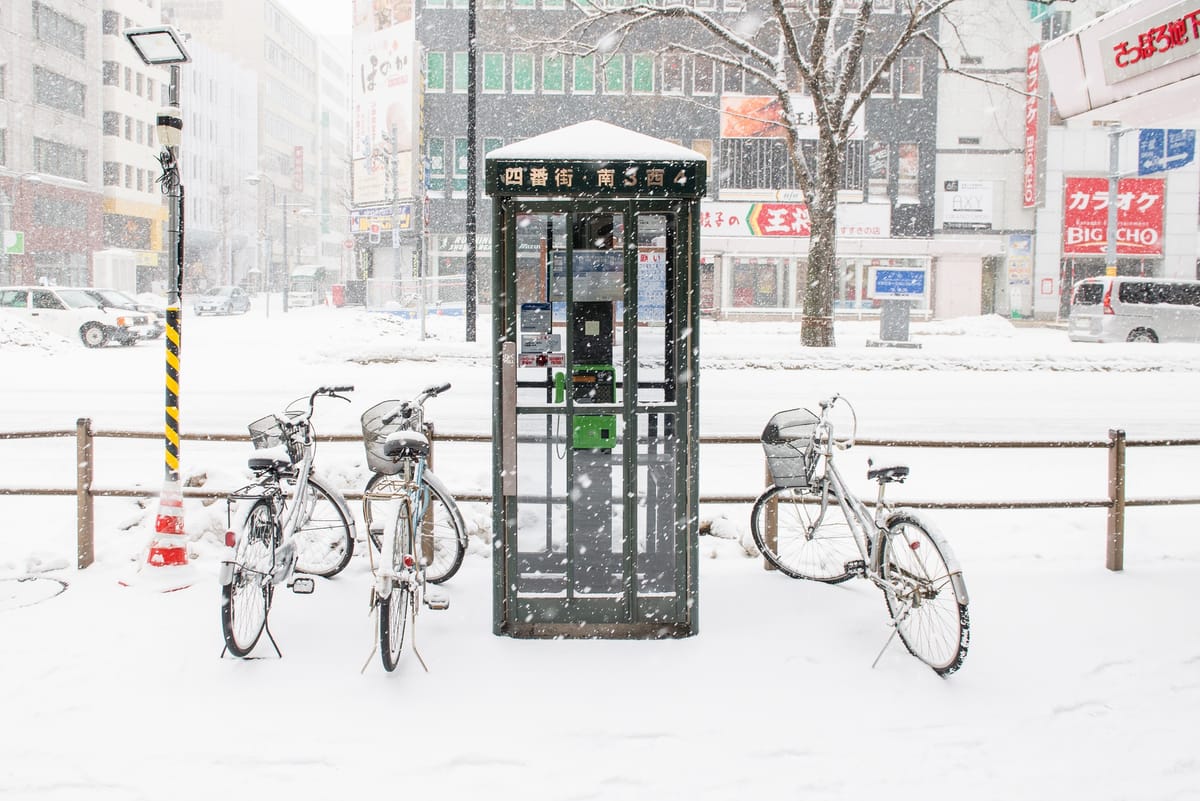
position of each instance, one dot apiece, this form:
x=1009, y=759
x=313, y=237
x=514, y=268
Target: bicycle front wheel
x=442, y=532
x=324, y=537
x=812, y=538
x=246, y=599
x=394, y=610
x=925, y=594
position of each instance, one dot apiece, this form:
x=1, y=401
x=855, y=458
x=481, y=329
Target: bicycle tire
x=394, y=610
x=925, y=594
x=446, y=530
x=810, y=543
x=324, y=535
x=246, y=599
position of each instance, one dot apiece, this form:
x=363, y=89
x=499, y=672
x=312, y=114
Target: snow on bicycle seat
x=406, y=444
x=269, y=459
x=888, y=473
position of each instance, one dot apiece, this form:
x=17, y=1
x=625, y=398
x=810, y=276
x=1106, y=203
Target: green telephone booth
x=595, y=233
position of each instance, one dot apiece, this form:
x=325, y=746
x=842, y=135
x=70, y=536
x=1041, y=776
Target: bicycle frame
x=867, y=526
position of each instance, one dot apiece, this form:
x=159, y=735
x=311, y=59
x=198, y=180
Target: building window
x=643, y=73
x=112, y=123
x=3, y=81
x=907, y=167
x=493, y=73
x=552, y=74
x=141, y=132
x=3, y=146
x=112, y=73
x=460, y=73
x=128, y=177
x=522, y=76
x=765, y=163
x=149, y=88
x=554, y=5
x=460, y=164
x=128, y=79
x=55, y=158
x=614, y=75
x=58, y=91
x=141, y=180
x=735, y=80
x=672, y=74
x=112, y=23
x=910, y=77
x=138, y=84
x=435, y=3
x=704, y=72
x=112, y=173
x=584, y=75
x=62, y=32
x=497, y=4
x=435, y=72
x=435, y=178
x=884, y=87
x=522, y=4
x=129, y=128
x=877, y=171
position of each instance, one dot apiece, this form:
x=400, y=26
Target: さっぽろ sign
x=1139, y=216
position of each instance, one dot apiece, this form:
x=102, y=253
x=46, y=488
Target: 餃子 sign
x=1139, y=216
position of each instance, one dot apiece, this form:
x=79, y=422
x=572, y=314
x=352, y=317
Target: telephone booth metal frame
x=595, y=309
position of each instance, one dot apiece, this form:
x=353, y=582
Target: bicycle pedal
x=303, y=586
x=856, y=566
x=436, y=600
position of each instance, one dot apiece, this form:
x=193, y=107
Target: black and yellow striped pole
x=163, y=45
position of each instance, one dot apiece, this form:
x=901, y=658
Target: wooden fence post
x=1115, y=551
x=85, y=533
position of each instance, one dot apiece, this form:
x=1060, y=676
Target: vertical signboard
x=1020, y=274
x=384, y=78
x=1139, y=216
x=1029, y=183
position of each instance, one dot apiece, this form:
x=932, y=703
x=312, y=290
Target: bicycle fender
x=225, y=575
x=956, y=578
x=437, y=484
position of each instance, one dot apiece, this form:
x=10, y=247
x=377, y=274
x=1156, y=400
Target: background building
x=51, y=109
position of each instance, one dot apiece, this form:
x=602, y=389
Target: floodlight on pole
x=162, y=45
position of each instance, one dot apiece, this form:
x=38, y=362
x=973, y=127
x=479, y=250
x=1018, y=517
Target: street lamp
x=163, y=45
x=254, y=179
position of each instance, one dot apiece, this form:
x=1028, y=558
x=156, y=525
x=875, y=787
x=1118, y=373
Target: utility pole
x=1114, y=178
x=471, y=177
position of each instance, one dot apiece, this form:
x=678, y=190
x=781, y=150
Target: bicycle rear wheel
x=812, y=538
x=442, y=532
x=395, y=609
x=925, y=594
x=246, y=599
x=323, y=536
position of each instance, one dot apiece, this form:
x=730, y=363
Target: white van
x=1129, y=309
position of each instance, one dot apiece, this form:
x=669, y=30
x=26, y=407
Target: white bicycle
x=292, y=522
x=810, y=525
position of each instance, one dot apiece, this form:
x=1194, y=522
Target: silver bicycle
x=288, y=522
x=810, y=525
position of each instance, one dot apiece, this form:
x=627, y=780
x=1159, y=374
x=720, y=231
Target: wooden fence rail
x=1115, y=502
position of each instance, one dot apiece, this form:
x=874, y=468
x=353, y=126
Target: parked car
x=223, y=300
x=116, y=299
x=1133, y=309
x=74, y=311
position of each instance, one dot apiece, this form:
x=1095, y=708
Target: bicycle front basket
x=788, y=441
x=266, y=432
x=375, y=434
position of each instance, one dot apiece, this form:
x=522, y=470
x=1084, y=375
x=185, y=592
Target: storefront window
x=756, y=282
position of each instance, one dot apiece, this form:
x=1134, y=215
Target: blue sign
x=898, y=283
x=1161, y=149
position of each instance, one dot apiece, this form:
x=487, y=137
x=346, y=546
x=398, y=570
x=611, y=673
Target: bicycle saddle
x=885, y=475
x=406, y=444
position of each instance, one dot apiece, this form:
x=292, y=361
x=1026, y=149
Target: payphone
x=595, y=299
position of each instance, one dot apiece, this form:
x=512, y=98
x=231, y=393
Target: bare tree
x=788, y=46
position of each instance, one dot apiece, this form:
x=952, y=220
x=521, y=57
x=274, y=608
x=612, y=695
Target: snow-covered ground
x=1080, y=683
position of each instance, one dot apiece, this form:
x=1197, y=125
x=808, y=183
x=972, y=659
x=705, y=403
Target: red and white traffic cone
x=166, y=567
x=168, y=548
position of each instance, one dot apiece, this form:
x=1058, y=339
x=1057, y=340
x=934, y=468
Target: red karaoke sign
x=1139, y=217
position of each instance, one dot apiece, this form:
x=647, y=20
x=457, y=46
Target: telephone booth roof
x=595, y=158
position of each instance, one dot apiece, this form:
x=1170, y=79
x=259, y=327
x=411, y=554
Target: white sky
x=330, y=18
